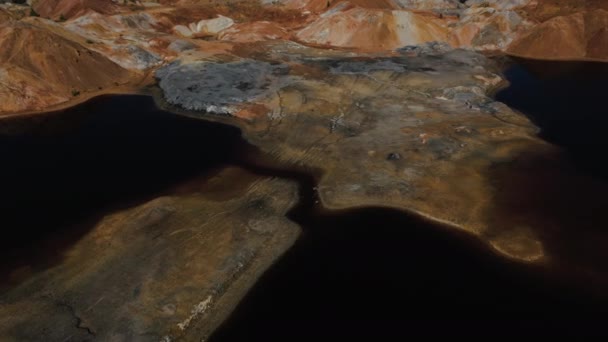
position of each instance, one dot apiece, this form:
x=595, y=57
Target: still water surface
x=368, y=272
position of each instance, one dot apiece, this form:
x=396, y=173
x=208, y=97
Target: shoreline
x=228, y=302
x=137, y=87
x=282, y=170
x=156, y=94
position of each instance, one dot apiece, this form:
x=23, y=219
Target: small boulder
x=208, y=27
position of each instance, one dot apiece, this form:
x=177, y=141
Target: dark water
x=560, y=190
x=568, y=101
x=380, y=274
x=61, y=172
x=363, y=273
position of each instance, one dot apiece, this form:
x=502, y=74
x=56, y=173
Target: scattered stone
x=393, y=156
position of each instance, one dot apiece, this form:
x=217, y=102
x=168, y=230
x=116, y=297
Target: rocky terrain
x=157, y=271
x=44, y=66
x=141, y=36
x=414, y=131
x=388, y=102
x=579, y=36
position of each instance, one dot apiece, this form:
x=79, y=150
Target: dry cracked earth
x=386, y=104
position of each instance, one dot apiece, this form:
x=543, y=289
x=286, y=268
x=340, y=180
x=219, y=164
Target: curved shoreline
x=154, y=92
x=136, y=87
x=307, y=212
x=314, y=213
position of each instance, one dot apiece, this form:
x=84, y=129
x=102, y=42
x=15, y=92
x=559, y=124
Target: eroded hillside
x=79, y=48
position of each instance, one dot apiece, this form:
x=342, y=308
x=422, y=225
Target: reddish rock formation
x=39, y=67
x=142, y=38
x=319, y=6
x=582, y=35
x=253, y=32
x=56, y=9
x=386, y=26
x=5, y=15
x=487, y=27
x=372, y=29
x=543, y=10
x=427, y=4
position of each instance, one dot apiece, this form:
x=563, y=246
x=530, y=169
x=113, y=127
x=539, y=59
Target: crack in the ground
x=79, y=320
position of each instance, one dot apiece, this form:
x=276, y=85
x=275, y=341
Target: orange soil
x=40, y=68
x=576, y=36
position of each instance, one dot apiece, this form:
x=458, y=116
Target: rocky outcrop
x=5, y=16
x=141, y=38
x=320, y=6
x=11, y=11
x=543, y=10
x=171, y=268
x=485, y=27
x=482, y=26
x=500, y=4
x=130, y=40
x=428, y=4
x=372, y=29
x=40, y=67
x=66, y=9
x=583, y=35
x=254, y=32
x=217, y=88
x=204, y=28
x=323, y=5
x=413, y=132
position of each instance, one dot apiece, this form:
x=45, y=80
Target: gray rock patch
x=426, y=49
x=216, y=87
x=364, y=67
